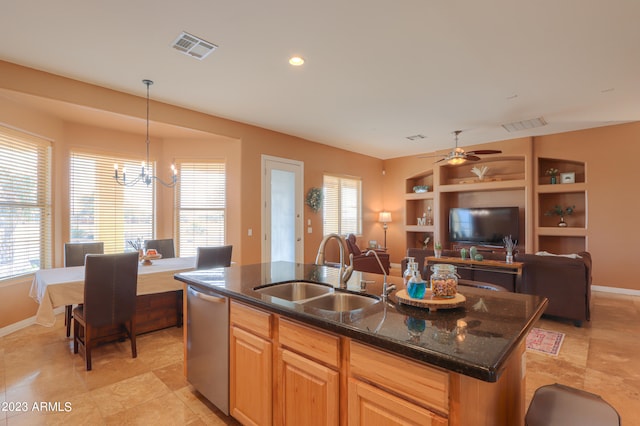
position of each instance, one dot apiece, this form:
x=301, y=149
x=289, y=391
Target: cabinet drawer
x=255, y=320
x=426, y=385
x=370, y=405
x=314, y=343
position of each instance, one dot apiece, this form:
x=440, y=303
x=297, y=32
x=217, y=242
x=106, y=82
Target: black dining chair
x=164, y=247
x=74, y=254
x=110, y=287
x=213, y=257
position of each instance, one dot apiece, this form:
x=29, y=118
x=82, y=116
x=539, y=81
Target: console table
x=473, y=266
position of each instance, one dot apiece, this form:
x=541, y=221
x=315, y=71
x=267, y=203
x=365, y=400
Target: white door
x=282, y=218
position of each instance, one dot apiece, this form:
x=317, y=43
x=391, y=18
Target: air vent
x=193, y=46
x=415, y=137
x=525, y=124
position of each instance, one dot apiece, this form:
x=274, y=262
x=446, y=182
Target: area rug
x=545, y=341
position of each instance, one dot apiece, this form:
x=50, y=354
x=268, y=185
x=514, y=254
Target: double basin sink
x=318, y=296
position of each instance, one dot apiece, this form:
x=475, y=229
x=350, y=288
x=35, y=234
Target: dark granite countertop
x=475, y=339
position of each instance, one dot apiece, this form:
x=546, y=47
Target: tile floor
x=37, y=365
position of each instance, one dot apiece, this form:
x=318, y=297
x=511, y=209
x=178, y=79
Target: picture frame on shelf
x=569, y=177
x=373, y=244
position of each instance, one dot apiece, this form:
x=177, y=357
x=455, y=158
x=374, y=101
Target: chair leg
x=87, y=346
x=132, y=336
x=76, y=336
x=67, y=318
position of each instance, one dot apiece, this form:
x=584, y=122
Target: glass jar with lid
x=444, y=281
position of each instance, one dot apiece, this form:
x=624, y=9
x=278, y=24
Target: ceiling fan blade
x=484, y=152
x=471, y=157
x=442, y=159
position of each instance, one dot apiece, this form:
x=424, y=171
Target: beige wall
x=610, y=154
x=28, y=99
x=76, y=115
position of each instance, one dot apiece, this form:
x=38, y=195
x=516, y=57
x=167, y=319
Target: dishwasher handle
x=208, y=297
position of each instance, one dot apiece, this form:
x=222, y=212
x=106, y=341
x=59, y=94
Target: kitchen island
x=386, y=362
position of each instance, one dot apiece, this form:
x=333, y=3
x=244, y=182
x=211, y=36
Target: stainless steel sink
x=342, y=302
x=295, y=291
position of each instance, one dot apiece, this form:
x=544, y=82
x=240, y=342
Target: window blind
x=25, y=203
x=342, y=207
x=200, y=206
x=103, y=210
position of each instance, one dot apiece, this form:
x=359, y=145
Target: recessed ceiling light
x=296, y=61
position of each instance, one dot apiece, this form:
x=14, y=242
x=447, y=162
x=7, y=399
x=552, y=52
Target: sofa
x=565, y=281
x=364, y=263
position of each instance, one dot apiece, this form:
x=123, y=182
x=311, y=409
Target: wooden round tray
x=429, y=302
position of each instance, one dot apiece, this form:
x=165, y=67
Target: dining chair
x=164, y=247
x=213, y=257
x=110, y=286
x=74, y=254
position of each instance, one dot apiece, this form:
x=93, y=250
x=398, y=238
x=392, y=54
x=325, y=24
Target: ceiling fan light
x=455, y=161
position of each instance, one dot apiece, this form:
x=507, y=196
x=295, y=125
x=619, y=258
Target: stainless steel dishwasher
x=208, y=345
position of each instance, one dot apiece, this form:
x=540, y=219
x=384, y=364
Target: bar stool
x=559, y=405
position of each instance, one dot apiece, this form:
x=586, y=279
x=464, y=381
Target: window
x=342, y=205
x=200, y=206
x=103, y=210
x=25, y=203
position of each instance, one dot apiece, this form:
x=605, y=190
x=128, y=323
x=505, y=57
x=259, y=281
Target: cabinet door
x=250, y=378
x=369, y=405
x=310, y=391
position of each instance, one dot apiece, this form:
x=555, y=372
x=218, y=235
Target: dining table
x=55, y=287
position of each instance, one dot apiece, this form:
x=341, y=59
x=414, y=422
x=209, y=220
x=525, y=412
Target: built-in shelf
x=557, y=239
x=417, y=228
x=419, y=196
x=562, y=188
x=561, y=232
x=484, y=186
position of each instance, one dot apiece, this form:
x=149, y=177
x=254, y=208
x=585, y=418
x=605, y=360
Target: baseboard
x=16, y=326
x=616, y=290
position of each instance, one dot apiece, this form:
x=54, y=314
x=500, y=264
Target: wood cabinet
x=512, y=180
x=369, y=405
x=550, y=237
x=418, y=206
x=250, y=365
x=308, y=379
x=455, y=186
x=287, y=373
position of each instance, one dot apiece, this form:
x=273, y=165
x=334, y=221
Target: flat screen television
x=483, y=225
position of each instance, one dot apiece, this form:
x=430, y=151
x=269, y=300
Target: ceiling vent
x=415, y=137
x=525, y=124
x=193, y=46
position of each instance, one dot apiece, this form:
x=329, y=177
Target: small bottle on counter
x=444, y=281
x=407, y=273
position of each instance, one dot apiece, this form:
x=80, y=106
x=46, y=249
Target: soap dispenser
x=416, y=286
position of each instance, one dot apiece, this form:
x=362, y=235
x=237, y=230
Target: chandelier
x=145, y=167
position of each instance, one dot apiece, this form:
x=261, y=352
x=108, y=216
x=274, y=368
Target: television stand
x=508, y=275
x=482, y=248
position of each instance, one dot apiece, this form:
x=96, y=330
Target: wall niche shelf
x=549, y=236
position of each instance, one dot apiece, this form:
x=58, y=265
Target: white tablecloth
x=65, y=286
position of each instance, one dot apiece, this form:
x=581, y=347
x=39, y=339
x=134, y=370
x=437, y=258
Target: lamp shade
x=384, y=217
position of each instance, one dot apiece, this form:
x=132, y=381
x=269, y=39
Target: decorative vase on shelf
x=509, y=257
x=562, y=223
x=554, y=180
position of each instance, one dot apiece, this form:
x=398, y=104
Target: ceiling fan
x=459, y=155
